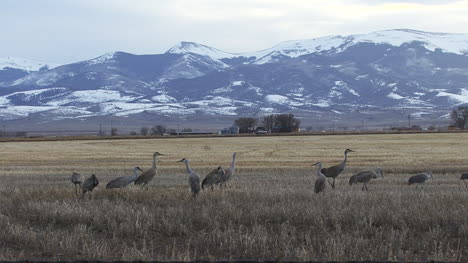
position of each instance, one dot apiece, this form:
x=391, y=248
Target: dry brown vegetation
x=268, y=211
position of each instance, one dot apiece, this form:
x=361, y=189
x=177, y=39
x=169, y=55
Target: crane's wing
x=146, y=176
x=194, y=182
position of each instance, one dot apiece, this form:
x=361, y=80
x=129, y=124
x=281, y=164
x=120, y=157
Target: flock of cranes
x=364, y=177
x=220, y=176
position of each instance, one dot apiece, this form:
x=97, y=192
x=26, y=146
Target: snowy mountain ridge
x=446, y=42
x=25, y=64
x=352, y=76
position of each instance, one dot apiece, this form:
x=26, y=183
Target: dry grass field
x=267, y=212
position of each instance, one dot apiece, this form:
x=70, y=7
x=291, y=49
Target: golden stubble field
x=267, y=212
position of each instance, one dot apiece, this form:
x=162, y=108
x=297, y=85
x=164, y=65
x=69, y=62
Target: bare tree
x=158, y=130
x=269, y=122
x=459, y=117
x=144, y=131
x=246, y=125
x=287, y=122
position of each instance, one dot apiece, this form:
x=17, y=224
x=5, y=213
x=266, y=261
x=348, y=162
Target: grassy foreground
x=268, y=212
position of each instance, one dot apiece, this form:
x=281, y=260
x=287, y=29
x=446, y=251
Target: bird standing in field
x=89, y=184
x=148, y=175
x=321, y=181
x=123, y=181
x=229, y=173
x=194, y=178
x=420, y=178
x=334, y=171
x=213, y=177
x=464, y=177
x=365, y=176
x=76, y=180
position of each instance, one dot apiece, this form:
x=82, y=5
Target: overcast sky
x=65, y=31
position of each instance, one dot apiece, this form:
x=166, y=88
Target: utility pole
x=362, y=125
x=100, y=129
x=409, y=120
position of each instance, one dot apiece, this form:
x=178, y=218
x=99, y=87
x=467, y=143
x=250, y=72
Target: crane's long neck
x=188, y=168
x=233, y=163
x=343, y=163
x=319, y=173
x=154, y=162
x=135, y=172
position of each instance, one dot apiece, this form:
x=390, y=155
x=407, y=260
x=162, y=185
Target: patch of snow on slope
x=237, y=83
x=322, y=103
x=453, y=43
x=191, y=47
x=279, y=99
x=361, y=77
x=4, y=101
x=26, y=95
x=222, y=90
x=21, y=111
x=462, y=97
x=164, y=99
x=395, y=96
x=24, y=64
x=93, y=96
x=102, y=59
x=48, y=79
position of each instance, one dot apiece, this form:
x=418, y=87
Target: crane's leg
x=362, y=189
x=333, y=185
x=330, y=183
x=466, y=186
x=365, y=184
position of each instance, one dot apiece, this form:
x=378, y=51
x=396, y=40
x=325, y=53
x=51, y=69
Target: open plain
x=267, y=212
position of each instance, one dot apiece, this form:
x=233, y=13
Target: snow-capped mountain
x=384, y=71
x=24, y=64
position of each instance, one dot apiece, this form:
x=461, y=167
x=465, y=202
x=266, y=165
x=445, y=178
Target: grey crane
x=334, y=171
x=123, y=181
x=229, y=172
x=148, y=175
x=321, y=181
x=213, y=177
x=365, y=176
x=464, y=177
x=420, y=178
x=194, y=178
x=89, y=184
x=75, y=178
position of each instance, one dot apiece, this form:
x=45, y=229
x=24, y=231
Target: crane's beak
x=139, y=169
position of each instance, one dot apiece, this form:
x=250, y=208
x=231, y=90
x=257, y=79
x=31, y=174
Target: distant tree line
x=272, y=123
x=459, y=117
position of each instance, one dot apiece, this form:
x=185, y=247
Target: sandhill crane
x=122, y=181
x=89, y=184
x=420, y=178
x=213, y=177
x=229, y=173
x=148, y=175
x=365, y=176
x=334, y=171
x=464, y=177
x=194, y=178
x=321, y=181
x=75, y=178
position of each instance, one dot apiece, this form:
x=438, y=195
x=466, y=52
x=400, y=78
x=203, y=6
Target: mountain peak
x=185, y=47
x=24, y=64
